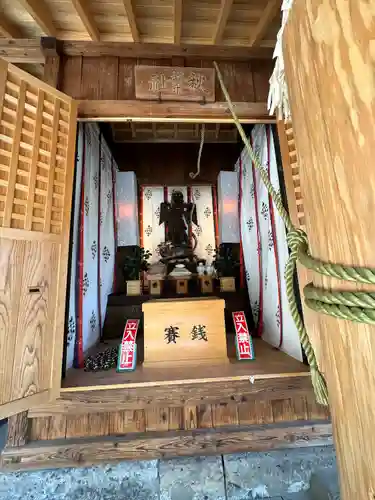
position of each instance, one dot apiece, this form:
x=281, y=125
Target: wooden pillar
x=329, y=58
x=18, y=427
x=51, y=49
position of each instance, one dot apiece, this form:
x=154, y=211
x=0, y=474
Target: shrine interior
x=188, y=194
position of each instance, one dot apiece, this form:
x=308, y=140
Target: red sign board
x=244, y=342
x=127, y=358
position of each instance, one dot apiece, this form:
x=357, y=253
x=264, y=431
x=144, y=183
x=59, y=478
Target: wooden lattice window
x=291, y=173
x=34, y=129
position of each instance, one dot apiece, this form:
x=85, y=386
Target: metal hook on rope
x=193, y=175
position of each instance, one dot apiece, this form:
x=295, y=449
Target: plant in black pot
x=135, y=262
x=226, y=265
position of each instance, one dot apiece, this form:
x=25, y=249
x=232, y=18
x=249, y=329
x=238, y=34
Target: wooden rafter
x=39, y=11
x=269, y=13
x=8, y=29
x=87, y=19
x=177, y=21
x=221, y=22
x=128, y=4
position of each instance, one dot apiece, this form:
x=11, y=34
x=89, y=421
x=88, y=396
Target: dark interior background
x=170, y=163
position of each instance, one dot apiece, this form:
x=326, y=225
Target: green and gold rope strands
x=358, y=306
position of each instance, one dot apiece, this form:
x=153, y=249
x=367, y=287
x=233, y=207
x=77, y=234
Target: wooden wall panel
x=126, y=82
x=331, y=92
x=262, y=70
x=71, y=76
x=102, y=78
x=99, y=78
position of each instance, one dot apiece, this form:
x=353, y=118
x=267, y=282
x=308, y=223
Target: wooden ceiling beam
x=128, y=4
x=87, y=19
x=22, y=51
x=163, y=50
x=222, y=20
x=269, y=13
x=39, y=11
x=177, y=21
x=8, y=29
x=188, y=112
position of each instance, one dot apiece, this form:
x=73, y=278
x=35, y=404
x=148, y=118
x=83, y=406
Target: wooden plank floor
x=188, y=417
x=269, y=363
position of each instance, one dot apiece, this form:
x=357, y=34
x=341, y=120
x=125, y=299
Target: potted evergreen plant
x=226, y=264
x=135, y=262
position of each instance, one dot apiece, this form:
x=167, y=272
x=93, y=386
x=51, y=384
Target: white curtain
x=264, y=247
x=205, y=230
x=107, y=227
x=74, y=253
x=93, y=243
x=152, y=234
x=127, y=209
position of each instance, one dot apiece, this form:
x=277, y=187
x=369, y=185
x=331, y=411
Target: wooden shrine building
x=75, y=61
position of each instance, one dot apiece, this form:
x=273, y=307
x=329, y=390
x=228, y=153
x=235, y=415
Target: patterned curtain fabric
x=93, y=243
x=264, y=247
x=152, y=234
x=107, y=243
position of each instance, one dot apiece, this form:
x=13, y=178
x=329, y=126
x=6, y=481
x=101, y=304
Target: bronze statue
x=178, y=217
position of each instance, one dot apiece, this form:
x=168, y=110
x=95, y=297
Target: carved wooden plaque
x=174, y=83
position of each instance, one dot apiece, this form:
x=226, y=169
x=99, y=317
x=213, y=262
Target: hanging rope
x=356, y=306
x=193, y=175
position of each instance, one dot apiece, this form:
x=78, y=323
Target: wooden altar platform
x=153, y=412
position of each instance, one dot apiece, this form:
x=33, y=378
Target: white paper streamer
x=278, y=101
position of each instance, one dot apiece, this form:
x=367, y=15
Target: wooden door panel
x=37, y=144
x=32, y=365
x=12, y=254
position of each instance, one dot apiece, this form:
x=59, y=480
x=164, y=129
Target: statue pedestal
x=184, y=331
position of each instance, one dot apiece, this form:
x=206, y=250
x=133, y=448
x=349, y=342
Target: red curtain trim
x=242, y=264
x=274, y=237
x=190, y=200
x=140, y=222
x=99, y=242
x=216, y=219
x=79, y=337
x=165, y=188
x=113, y=170
x=259, y=250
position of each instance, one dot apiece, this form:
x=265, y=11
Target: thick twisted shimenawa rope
x=354, y=306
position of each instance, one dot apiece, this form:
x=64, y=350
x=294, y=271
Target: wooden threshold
x=172, y=396
x=152, y=445
x=270, y=363
x=178, y=112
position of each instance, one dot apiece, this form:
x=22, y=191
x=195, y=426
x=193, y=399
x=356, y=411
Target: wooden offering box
x=184, y=331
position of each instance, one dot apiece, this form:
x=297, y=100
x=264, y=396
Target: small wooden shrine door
x=37, y=147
